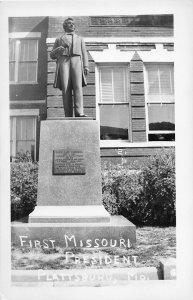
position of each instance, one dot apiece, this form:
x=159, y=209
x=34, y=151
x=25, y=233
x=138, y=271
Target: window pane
x=11, y=128
x=114, y=120
x=165, y=80
x=30, y=133
x=119, y=82
x=25, y=135
x=11, y=71
x=11, y=136
x=22, y=72
x=172, y=78
x=11, y=50
x=25, y=146
x=161, y=116
x=27, y=72
x=106, y=87
x=161, y=137
x=27, y=60
x=153, y=80
x=113, y=84
x=28, y=50
x=25, y=128
x=32, y=54
x=23, y=54
x=32, y=67
x=21, y=128
x=160, y=79
x=11, y=148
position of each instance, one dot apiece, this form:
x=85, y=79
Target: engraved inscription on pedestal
x=68, y=162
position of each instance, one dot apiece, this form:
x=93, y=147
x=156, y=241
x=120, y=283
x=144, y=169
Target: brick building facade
x=130, y=87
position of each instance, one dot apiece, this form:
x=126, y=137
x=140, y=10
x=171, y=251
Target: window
x=113, y=102
x=23, y=135
x=23, y=60
x=160, y=102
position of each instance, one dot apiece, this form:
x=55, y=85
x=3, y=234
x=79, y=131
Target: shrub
x=121, y=189
x=24, y=179
x=159, y=188
x=110, y=203
x=130, y=195
x=146, y=196
x=111, y=178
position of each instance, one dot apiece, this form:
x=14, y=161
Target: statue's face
x=70, y=27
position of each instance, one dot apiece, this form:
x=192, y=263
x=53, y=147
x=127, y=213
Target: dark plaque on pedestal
x=68, y=162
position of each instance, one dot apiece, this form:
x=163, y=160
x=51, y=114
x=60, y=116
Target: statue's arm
x=56, y=50
x=84, y=55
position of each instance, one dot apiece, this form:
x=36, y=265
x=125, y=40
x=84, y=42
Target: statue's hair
x=65, y=22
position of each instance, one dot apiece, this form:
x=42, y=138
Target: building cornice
x=114, y=40
x=24, y=35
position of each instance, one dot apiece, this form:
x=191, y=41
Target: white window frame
x=18, y=36
x=98, y=97
x=147, y=101
x=15, y=113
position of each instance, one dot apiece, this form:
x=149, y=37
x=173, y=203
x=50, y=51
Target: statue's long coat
x=78, y=48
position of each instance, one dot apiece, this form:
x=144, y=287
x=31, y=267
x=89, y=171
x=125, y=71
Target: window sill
x=23, y=83
x=127, y=144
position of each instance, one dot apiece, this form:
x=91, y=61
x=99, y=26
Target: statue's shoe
x=81, y=116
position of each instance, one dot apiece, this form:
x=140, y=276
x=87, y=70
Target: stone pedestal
x=69, y=189
x=69, y=204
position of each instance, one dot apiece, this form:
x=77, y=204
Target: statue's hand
x=61, y=49
x=86, y=71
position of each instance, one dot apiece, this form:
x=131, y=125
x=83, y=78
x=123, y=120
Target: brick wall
x=127, y=156
x=137, y=95
x=84, y=29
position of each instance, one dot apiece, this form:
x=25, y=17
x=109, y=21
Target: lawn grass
x=153, y=244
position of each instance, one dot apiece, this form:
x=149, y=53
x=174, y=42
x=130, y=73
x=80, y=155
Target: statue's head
x=68, y=25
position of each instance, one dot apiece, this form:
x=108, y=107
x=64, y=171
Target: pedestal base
x=69, y=214
x=118, y=232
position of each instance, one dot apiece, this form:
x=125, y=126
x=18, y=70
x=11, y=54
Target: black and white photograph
x=95, y=195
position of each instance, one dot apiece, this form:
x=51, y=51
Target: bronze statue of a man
x=71, y=68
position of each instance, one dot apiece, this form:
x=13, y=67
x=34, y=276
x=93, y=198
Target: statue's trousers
x=70, y=69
